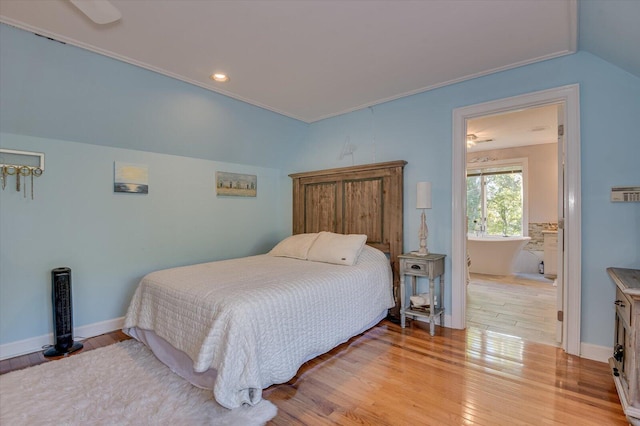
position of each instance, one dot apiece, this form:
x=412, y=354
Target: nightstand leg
x=402, y=297
x=441, y=298
x=432, y=317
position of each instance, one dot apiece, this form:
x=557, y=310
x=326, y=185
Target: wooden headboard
x=364, y=199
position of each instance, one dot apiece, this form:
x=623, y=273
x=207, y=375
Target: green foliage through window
x=495, y=200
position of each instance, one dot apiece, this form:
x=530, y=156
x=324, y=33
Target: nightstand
x=431, y=267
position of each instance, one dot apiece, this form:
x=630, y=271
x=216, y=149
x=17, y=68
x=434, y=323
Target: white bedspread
x=257, y=319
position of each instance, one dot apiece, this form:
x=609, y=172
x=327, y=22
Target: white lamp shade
x=424, y=195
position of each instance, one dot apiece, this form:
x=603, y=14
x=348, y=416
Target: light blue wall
x=62, y=92
x=610, y=30
x=110, y=240
x=85, y=111
x=419, y=129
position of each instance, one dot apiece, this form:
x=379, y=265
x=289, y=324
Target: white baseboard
x=35, y=344
x=595, y=352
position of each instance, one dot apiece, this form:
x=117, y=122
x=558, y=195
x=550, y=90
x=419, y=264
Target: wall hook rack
x=22, y=165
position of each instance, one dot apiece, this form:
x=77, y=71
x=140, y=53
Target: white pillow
x=337, y=248
x=296, y=246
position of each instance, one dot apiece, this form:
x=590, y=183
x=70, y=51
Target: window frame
x=523, y=163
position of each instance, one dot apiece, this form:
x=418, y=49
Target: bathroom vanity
x=626, y=352
x=550, y=247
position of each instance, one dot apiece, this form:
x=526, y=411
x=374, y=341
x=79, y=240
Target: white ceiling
x=532, y=126
x=311, y=60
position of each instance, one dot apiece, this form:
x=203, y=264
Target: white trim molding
x=35, y=344
x=569, y=96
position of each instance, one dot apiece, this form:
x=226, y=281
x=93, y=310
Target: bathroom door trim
x=570, y=97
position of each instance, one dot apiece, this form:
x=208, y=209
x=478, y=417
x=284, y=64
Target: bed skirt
x=180, y=363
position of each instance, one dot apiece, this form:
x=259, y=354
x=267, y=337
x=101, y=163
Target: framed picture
x=131, y=178
x=235, y=184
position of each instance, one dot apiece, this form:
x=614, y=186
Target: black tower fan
x=62, y=314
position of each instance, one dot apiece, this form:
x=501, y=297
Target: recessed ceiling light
x=219, y=77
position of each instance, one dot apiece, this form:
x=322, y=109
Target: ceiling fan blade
x=99, y=11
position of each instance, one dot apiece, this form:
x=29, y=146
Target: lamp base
x=422, y=236
x=417, y=253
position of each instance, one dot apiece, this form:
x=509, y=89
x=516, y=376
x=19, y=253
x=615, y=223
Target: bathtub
x=494, y=255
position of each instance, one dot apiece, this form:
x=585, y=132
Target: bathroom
x=512, y=211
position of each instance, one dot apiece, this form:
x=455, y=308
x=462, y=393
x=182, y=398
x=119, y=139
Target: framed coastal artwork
x=131, y=178
x=236, y=184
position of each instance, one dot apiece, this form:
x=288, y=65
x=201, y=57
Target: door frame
x=561, y=150
x=570, y=96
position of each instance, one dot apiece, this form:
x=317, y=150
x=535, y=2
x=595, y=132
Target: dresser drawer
x=624, y=307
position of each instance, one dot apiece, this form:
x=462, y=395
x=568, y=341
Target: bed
x=238, y=326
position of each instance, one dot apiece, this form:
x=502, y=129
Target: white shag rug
x=120, y=384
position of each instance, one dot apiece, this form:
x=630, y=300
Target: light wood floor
x=394, y=376
x=518, y=305
x=36, y=358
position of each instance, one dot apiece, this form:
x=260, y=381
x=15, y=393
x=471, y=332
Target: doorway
x=512, y=216
x=569, y=223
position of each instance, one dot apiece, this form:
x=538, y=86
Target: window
x=496, y=198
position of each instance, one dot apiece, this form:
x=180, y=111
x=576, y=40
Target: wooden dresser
x=625, y=362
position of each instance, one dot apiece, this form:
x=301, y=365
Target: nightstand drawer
x=414, y=267
x=431, y=265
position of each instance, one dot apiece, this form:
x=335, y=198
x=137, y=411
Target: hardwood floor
x=394, y=376
x=519, y=305
x=391, y=376
x=36, y=358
